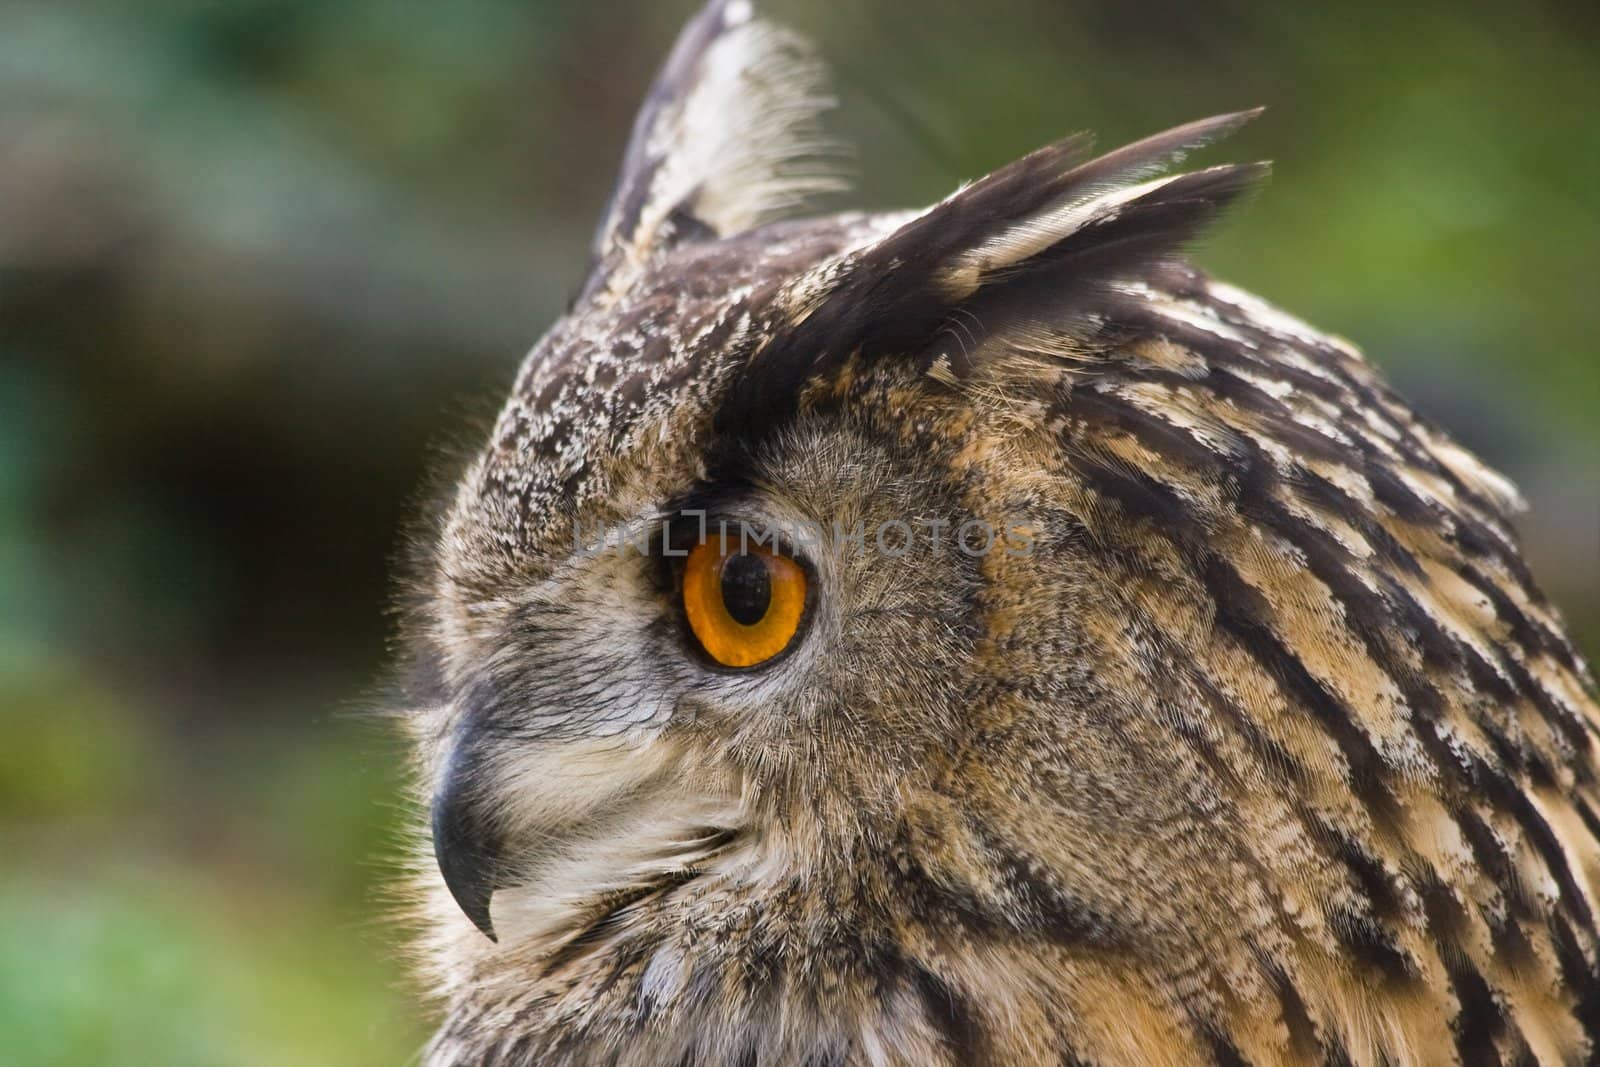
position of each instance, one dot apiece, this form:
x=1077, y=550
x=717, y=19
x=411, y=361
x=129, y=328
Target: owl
x=976, y=636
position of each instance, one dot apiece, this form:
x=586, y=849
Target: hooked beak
x=466, y=843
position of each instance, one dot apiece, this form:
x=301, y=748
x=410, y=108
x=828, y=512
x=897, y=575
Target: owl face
x=974, y=635
x=775, y=618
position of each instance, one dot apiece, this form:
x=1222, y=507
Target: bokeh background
x=265, y=263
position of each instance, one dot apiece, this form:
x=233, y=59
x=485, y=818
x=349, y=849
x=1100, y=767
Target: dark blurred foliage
x=263, y=263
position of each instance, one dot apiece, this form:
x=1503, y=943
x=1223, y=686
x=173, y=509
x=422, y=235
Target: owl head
x=899, y=616
x=731, y=536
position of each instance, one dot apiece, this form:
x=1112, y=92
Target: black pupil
x=746, y=588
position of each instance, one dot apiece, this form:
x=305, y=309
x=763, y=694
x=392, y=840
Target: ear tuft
x=1046, y=214
x=1034, y=250
x=728, y=138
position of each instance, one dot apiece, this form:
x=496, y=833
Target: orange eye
x=744, y=607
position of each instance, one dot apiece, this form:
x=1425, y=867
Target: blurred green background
x=263, y=263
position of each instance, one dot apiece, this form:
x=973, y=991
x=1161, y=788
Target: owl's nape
x=976, y=636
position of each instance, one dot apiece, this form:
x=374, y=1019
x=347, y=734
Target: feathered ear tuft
x=1032, y=250
x=1069, y=211
x=728, y=138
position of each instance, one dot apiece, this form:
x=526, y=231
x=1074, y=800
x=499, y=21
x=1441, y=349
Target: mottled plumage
x=1266, y=750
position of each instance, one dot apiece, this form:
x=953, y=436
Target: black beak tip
x=474, y=903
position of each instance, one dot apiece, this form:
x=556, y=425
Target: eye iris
x=743, y=607
x=746, y=588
